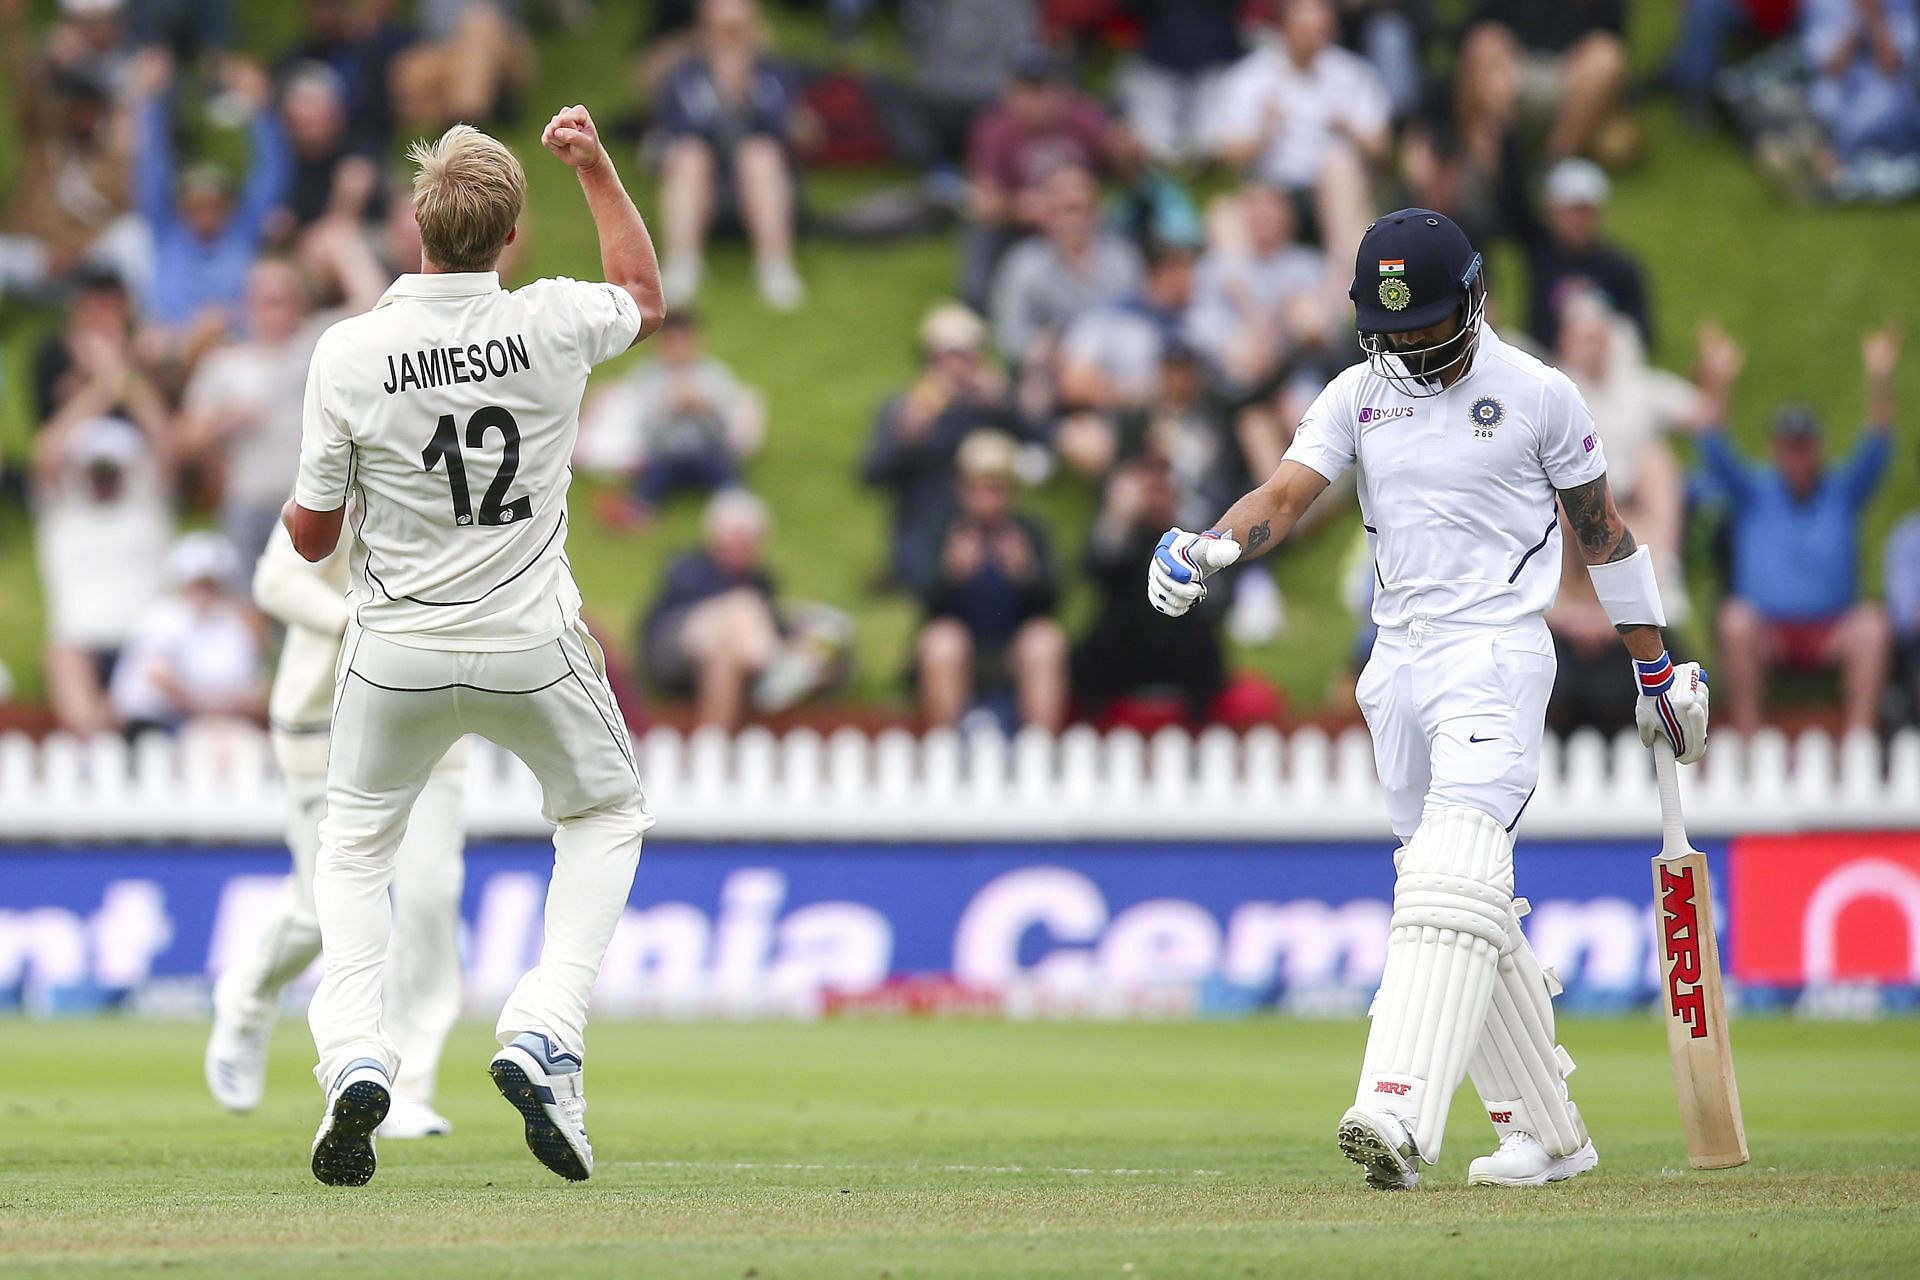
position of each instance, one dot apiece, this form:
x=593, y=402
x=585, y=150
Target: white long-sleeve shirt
x=310, y=600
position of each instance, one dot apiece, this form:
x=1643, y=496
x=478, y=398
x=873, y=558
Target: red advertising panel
x=1825, y=908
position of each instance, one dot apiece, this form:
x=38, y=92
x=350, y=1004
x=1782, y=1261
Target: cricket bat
x=1690, y=987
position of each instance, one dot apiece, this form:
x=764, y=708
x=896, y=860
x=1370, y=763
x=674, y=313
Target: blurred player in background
x=451, y=411
x=423, y=985
x=1462, y=444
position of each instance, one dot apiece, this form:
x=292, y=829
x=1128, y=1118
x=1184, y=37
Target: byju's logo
x=1371, y=414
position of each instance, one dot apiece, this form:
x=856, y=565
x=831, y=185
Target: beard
x=1431, y=361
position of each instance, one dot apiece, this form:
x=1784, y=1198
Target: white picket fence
x=1170, y=787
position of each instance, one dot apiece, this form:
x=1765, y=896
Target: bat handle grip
x=1666, y=774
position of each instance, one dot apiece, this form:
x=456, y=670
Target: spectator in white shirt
x=1109, y=358
x=1243, y=291
x=195, y=652
x=241, y=413
x=1047, y=280
x=1170, y=89
x=1304, y=114
x=102, y=522
x=1636, y=406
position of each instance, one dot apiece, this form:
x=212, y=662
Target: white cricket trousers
x=423, y=982
x=1457, y=713
x=396, y=710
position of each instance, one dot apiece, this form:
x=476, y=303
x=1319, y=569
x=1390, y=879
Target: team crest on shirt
x=1487, y=413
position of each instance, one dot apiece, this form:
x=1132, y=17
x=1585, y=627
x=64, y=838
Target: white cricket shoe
x=1521, y=1161
x=412, y=1118
x=1381, y=1144
x=237, y=1063
x=357, y=1103
x=547, y=1087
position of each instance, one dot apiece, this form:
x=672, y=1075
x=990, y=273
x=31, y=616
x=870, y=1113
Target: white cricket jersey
x=452, y=408
x=1457, y=490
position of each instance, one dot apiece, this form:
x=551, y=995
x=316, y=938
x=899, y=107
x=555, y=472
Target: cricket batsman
x=450, y=411
x=423, y=985
x=1463, y=444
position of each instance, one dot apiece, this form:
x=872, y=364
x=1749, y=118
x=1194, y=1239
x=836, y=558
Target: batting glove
x=1673, y=705
x=1177, y=577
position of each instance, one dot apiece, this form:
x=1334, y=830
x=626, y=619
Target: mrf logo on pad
x=1680, y=928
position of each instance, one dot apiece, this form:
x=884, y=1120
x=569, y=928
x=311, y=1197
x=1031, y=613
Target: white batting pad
x=1518, y=1070
x=1451, y=904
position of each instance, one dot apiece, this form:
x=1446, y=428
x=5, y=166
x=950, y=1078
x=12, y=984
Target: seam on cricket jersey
x=1523, y=809
x=1551, y=525
x=558, y=528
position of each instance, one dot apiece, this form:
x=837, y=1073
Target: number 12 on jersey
x=494, y=507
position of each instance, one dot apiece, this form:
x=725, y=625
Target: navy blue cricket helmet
x=1416, y=269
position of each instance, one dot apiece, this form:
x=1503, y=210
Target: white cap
x=202, y=557
x=736, y=508
x=107, y=441
x=988, y=453
x=952, y=326
x=1577, y=181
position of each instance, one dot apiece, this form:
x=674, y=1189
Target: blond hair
x=467, y=194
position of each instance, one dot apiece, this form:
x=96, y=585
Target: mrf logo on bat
x=1680, y=937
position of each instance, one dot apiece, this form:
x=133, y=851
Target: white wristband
x=1627, y=590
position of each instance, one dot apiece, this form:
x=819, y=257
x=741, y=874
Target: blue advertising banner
x=792, y=928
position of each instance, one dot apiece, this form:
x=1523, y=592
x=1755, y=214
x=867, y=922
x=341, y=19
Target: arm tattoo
x=1602, y=535
x=1259, y=536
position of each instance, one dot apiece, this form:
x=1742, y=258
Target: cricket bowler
x=423, y=981
x=450, y=412
x=1463, y=444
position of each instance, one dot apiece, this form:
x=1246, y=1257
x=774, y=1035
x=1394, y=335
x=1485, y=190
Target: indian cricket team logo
x=1394, y=293
x=1487, y=413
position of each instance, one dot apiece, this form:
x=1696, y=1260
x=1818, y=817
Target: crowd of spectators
x=1824, y=91
x=1157, y=205
x=197, y=218
x=1162, y=363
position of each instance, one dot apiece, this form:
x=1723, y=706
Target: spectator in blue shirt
x=1903, y=604
x=205, y=236
x=715, y=625
x=716, y=629
x=1795, y=525
x=1863, y=54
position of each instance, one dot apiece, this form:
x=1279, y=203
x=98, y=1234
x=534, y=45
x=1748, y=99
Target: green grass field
x=911, y=1149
